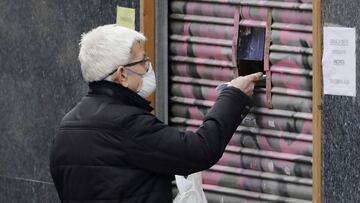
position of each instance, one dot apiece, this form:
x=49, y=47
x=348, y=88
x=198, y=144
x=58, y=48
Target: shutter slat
x=192, y=70
x=288, y=4
x=260, y=174
x=221, y=32
x=201, y=40
x=201, y=51
x=249, y=194
x=291, y=49
x=291, y=38
x=258, y=120
x=193, y=126
x=291, y=27
x=202, y=19
x=292, y=16
x=257, y=185
x=202, y=9
x=291, y=60
x=203, y=61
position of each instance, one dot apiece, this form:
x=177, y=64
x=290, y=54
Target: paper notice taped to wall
x=339, y=61
x=125, y=17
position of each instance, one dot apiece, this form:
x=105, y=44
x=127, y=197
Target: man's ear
x=121, y=76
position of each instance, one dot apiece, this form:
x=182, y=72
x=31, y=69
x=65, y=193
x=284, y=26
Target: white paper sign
x=339, y=61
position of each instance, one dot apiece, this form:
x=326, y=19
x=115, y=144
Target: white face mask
x=148, y=84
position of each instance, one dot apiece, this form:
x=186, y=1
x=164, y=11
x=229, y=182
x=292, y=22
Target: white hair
x=104, y=48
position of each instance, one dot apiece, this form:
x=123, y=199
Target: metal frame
x=162, y=72
x=161, y=58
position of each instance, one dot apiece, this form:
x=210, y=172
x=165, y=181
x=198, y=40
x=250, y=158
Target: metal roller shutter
x=269, y=159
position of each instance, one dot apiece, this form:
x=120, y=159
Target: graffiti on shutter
x=269, y=159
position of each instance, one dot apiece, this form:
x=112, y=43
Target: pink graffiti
x=291, y=81
x=245, y=12
x=209, y=9
x=286, y=166
x=200, y=69
x=217, y=52
x=263, y=142
x=230, y=160
x=195, y=113
x=218, y=74
x=211, y=178
x=212, y=94
x=254, y=13
x=294, y=17
x=214, y=31
x=263, y=14
x=186, y=30
x=181, y=69
x=180, y=48
x=186, y=90
x=191, y=8
x=287, y=62
x=204, y=32
x=306, y=127
x=295, y=147
x=287, y=38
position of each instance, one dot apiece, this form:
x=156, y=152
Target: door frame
x=147, y=26
x=317, y=103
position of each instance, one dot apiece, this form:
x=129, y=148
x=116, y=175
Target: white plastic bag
x=190, y=189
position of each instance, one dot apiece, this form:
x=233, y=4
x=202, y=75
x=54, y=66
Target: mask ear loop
x=108, y=76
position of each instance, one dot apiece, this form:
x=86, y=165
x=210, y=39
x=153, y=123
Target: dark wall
x=341, y=137
x=40, y=80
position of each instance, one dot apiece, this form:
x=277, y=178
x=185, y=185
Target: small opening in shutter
x=251, y=43
x=252, y=67
x=252, y=55
x=251, y=51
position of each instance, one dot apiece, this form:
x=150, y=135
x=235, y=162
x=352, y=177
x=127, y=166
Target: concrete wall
x=39, y=82
x=341, y=118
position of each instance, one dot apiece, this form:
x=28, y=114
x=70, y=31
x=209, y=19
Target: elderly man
x=110, y=148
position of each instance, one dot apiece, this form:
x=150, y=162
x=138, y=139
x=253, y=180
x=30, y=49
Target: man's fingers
x=246, y=83
x=255, y=76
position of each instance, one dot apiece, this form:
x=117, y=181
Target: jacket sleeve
x=163, y=149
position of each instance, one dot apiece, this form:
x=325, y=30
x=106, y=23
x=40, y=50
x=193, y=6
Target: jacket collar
x=119, y=92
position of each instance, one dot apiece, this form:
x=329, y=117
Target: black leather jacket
x=109, y=148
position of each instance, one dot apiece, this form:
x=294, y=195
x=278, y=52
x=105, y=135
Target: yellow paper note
x=125, y=17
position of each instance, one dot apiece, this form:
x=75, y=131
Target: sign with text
x=125, y=17
x=339, y=61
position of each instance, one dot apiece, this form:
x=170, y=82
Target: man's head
x=115, y=53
